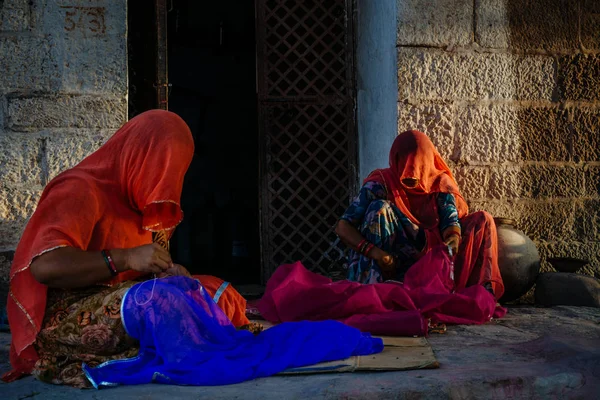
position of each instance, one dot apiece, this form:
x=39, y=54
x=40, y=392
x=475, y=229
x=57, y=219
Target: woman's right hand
x=149, y=258
x=386, y=261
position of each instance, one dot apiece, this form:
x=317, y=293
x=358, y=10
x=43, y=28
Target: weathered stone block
x=92, y=65
x=543, y=134
x=584, y=122
x=66, y=149
x=33, y=113
x=492, y=29
x=551, y=220
x=20, y=159
x=540, y=220
x=2, y=112
x=6, y=258
x=504, y=182
x=546, y=181
x=590, y=24
x=94, y=18
x=435, y=23
x=17, y=203
x=592, y=181
x=488, y=134
x=426, y=74
x=525, y=25
x=10, y=234
x=89, y=45
x=435, y=120
x=537, y=182
x=587, y=220
x=565, y=289
x=579, y=77
x=501, y=133
x=473, y=182
x=26, y=64
x=14, y=15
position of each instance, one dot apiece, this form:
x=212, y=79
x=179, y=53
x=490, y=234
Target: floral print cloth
x=82, y=325
x=384, y=225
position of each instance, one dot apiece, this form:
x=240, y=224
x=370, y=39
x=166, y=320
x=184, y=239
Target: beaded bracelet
x=109, y=262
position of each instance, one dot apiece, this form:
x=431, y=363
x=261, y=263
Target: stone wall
x=63, y=92
x=509, y=90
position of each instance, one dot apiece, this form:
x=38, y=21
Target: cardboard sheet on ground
x=399, y=353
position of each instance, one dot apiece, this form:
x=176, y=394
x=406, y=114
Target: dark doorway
x=212, y=73
x=284, y=67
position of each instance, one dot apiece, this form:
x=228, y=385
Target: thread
x=451, y=264
x=151, y=292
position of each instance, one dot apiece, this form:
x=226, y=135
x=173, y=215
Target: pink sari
x=401, y=309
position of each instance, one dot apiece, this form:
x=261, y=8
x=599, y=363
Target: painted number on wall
x=85, y=19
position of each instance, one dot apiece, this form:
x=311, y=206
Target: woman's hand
x=386, y=262
x=453, y=242
x=176, y=270
x=149, y=258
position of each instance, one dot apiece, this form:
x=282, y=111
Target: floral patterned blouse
x=370, y=191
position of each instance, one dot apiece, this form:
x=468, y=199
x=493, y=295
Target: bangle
x=360, y=245
x=109, y=262
x=364, y=247
x=368, y=249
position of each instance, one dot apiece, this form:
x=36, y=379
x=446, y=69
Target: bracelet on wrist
x=368, y=249
x=109, y=262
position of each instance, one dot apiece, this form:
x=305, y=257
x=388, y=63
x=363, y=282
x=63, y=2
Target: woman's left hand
x=176, y=270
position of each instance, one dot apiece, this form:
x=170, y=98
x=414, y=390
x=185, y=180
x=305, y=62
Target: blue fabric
x=186, y=339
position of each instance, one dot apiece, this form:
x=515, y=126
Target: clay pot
x=567, y=264
x=518, y=259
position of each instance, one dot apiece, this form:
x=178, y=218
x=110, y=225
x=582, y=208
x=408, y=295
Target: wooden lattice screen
x=305, y=73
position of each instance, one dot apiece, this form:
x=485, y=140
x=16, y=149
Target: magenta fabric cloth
x=392, y=308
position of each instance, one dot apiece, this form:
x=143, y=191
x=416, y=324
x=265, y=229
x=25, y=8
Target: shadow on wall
x=559, y=140
x=546, y=140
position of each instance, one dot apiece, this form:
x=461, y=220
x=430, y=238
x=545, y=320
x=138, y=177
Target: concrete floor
x=532, y=353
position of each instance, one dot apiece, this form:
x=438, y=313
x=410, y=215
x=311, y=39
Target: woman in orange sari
x=405, y=210
x=89, y=240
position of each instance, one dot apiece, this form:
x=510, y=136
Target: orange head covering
x=114, y=198
x=416, y=173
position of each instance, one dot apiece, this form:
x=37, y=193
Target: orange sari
x=114, y=198
x=414, y=159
